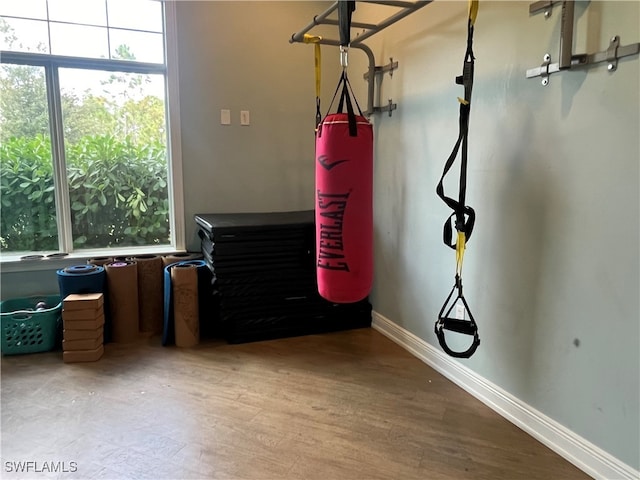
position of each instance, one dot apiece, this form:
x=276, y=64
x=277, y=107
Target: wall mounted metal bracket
x=379, y=72
x=544, y=5
x=569, y=61
x=544, y=70
x=390, y=107
x=389, y=67
x=610, y=56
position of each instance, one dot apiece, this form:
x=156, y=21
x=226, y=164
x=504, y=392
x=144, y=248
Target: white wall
x=551, y=272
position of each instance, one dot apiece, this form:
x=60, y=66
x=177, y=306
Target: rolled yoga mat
x=184, y=285
x=168, y=333
x=180, y=257
x=150, y=292
x=85, y=279
x=102, y=261
x=122, y=282
x=81, y=279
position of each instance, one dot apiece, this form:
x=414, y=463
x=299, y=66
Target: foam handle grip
x=184, y=280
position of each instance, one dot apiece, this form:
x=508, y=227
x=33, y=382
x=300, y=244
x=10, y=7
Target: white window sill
x=12, y=263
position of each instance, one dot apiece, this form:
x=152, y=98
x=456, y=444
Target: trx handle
x=446, y=322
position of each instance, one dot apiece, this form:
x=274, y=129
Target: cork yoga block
x=83, y=301
x=83, y=334
x=83, y=324
x=85, y=314
x=82, y=344
x=75, y=356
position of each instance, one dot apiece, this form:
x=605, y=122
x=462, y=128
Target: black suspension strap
x=345, y=11
x=463, y=216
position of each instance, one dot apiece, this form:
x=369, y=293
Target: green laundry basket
x=27, y=330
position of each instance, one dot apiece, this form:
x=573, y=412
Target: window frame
x=51, y=64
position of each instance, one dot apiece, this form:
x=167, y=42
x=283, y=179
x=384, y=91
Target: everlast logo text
x=331, y=207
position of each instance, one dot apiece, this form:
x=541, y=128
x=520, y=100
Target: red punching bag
x=344, y=203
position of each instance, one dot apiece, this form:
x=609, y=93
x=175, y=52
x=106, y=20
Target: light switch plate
x=225, y=117
x=245, y=119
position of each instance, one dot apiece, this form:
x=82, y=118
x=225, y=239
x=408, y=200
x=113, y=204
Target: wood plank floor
x=347, y=405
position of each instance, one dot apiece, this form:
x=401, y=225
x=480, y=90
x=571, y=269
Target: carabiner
x=344, y=56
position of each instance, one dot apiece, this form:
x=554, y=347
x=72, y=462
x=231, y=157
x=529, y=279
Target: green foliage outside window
x=115, y=152
x=117, y=192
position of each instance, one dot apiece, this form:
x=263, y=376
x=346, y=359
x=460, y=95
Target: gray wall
x=551, y=272
x=236, y=55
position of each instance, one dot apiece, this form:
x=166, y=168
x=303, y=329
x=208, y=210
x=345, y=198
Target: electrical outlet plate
x=459, y=311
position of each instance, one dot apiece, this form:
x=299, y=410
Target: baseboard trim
x=583, y=454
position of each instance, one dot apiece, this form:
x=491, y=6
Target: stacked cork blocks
x=83, y=334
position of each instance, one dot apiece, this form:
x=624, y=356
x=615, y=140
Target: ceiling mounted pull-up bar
x=405, y=8
x=391, y=3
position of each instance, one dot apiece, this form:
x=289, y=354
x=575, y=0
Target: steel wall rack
x=404, y=8
x=568, y=60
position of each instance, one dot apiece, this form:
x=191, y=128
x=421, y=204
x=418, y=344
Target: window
x=85, y=157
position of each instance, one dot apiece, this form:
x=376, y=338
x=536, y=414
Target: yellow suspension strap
x=318, y=68
x=463, y=216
